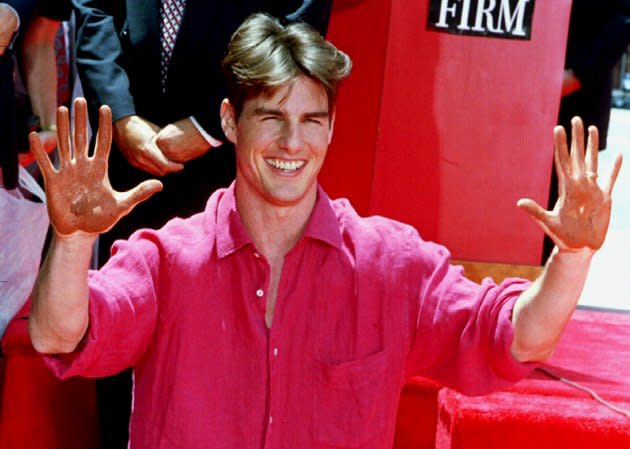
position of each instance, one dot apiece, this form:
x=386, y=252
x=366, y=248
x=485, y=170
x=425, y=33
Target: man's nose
x=292, y=139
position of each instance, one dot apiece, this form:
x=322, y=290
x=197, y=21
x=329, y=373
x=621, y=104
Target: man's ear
x=332, y=127
x=228, y=120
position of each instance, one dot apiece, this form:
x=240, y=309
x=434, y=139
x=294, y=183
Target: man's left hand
x=581, y=215
x=181, y=141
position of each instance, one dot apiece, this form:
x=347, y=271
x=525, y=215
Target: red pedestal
x=38, y=411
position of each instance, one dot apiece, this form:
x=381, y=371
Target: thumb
x=131, y=198
x=532, y=208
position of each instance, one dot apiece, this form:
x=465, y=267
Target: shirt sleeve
x=122, y=311
x=211, y=140
x=463, y=331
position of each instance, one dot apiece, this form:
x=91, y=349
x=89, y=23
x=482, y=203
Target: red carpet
x=539, y=412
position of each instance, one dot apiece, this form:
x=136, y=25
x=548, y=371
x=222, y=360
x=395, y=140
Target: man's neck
x=275, y=229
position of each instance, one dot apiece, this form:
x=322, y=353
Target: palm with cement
x=581, y=215
x=79, y=194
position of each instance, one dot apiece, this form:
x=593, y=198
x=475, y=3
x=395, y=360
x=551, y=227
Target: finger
x=41, y=157
x=577, y=145
x=104, y=134
x=613, y=176
x=80, y=129
x=561, y=151
x=533, y=209
x=129, y=199
x=592, y=149
x=159, y=161
x=540, y=216
x=63, y=135
x=560, y=168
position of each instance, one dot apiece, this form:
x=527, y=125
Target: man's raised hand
x=581, y=215
x=79, y=194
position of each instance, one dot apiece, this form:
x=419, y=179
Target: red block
x=38, y=411
x=515, y=421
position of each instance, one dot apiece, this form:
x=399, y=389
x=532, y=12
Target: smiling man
x=278, y=317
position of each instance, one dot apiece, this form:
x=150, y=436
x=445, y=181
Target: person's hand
x=181, y=141
x=79, y=196
x=136, y=139
x=9, y=23
x=581, y=215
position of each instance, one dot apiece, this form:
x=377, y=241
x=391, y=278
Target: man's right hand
x=79, y=195
x=136, y=139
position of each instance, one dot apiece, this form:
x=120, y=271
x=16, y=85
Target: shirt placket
x=272, y=351
x=275, y=352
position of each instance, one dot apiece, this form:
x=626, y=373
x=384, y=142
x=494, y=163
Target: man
x=277, y=317
x=157, y=65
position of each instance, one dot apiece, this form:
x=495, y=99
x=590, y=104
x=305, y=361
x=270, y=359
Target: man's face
x=281, y=141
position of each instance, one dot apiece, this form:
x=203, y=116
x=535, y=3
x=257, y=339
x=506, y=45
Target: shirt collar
x=232, y=236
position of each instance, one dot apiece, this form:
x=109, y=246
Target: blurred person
x=278, y=317
x=599, y=34
x=29, y=39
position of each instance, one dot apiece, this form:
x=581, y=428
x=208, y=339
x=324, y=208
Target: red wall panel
x=446, y=132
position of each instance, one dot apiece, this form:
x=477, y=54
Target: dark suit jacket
x=599, y=33
x=118, y=60
x=8, y=138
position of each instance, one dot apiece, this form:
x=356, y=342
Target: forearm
x=542, y=311
x=41, y=70
x=59, y=313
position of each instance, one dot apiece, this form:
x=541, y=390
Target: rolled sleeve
x=122, y=313
x=464, y=332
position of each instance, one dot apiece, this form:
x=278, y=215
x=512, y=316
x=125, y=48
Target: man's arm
x=577, y=225
x=81, y=205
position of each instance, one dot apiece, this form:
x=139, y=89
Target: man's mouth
x=285, y=166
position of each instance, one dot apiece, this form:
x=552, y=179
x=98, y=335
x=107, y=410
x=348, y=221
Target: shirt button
x=260, y=292
x=270, y=419
x=275, y=352
x=257, y=256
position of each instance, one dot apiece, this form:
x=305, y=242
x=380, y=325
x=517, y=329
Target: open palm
x=581, y=215
x=78, y=194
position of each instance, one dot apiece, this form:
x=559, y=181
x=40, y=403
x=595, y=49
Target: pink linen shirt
x=362, y=304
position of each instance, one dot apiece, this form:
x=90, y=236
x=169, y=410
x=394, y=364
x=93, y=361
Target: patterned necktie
x=171, y=12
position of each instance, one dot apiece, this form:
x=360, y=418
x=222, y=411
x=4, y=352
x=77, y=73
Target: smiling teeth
x=285, y=165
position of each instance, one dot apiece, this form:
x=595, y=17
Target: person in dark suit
x=599, y=34
x=13, y=17
x=164, y=128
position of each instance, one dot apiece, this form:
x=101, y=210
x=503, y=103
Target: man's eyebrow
x=266, y=111
x=277, y=112
x=317, y=114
